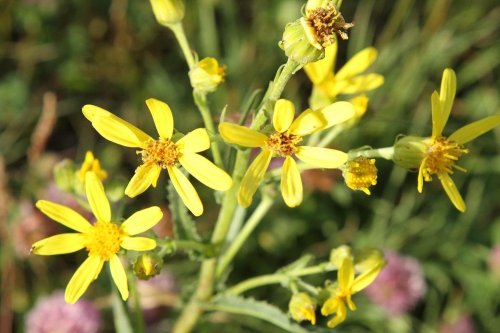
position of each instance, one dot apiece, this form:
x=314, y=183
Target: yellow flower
x=91, y=164
x=348, y=80
x=347, y=285
x=162, y=153
x=206, y=75
x=302, y=307
x=285, y=142
x=102, y=240
x=438, y=155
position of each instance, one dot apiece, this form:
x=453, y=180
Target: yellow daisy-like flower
x=162, y=153
x=348, y=80
x=302, y=307
x=442, y=153
x=102, y=240
x=91, y=164
x=285, y=142
x=347, y=285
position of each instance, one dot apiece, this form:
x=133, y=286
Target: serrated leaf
x=254, y=308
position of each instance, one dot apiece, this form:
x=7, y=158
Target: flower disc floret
x=161, y=152
x=441, y=158
x=283, y=144
x=326, y=22
x=104, y=240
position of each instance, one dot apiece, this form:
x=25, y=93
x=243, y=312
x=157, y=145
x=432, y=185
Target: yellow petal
x=59, y=244
x=253, y=177
x=319, y=71
x=340, y=315
x=291, y=184
x=365, y=279
x=142, y=220
x=308, y=122
x=119, y=276
x=114, y=128
x=240, y=135
x=138, y=243
x=447, y=93
x=84, y=275
x=284, y=111
x=420, y=181
x=97, y=198
x=357, y=64
x=206, y=172
x=195, y=141
x=438, y=121
x=473, y=130
x=144, y=176
x=64, y=215
x=186, y=191
x=356, y=85
x=337, y=113
x=321, y=157
x=346, y=274
x=162, y=117
x=452, y=192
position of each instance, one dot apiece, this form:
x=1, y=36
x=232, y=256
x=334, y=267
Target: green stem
x=139, y=320
x=178, y=31
x=264, y=280
x=386, y=153
x=243, y=235
x=201, y=102
x=191, y=313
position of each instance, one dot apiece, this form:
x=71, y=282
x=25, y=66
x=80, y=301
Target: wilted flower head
x=52, y=314
x=399, y=286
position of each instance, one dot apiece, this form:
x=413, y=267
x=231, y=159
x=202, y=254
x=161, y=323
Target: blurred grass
x=113, y=54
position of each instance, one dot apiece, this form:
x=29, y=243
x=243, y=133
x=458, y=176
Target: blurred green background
x=56, y=56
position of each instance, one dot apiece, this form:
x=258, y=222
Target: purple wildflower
x=399, y=286
x=53, y=314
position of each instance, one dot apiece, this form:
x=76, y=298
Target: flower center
x=104, y=240
x=326, y=21
x=360, y=173
x=283, y=144
x=441, y=157
x=163, y=152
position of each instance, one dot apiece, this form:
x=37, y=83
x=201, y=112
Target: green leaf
x=120, y=315
x=254, y=308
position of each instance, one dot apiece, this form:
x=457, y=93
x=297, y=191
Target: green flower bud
x=299, y=44
x=410, y=151
x=302, y=307
x=147, y=265
x=168, y=12
x=338, y=254
x=206, y=75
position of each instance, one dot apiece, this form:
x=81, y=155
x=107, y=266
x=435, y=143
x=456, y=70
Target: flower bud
x=338, y=254
x=299, y=45
x=302, y=307
x=168, y=12
x=410, y=151
x=206, y=75
x=147, y=265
